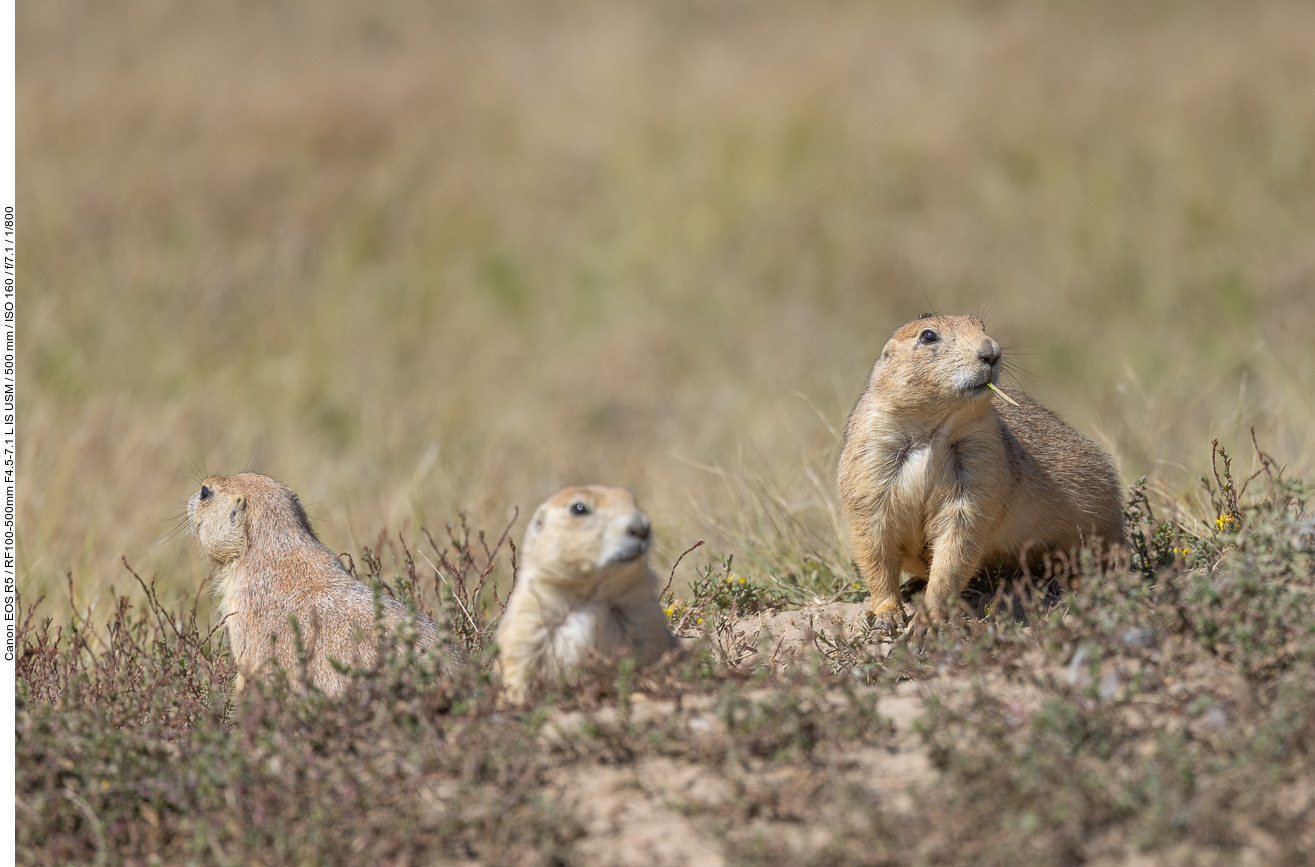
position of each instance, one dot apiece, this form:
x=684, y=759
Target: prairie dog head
x=585, y=534
x=937, y=360
x=229, y=514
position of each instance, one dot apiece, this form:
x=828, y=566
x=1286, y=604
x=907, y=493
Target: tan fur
x=584, y=586
x=268, y=566
x=940, y=478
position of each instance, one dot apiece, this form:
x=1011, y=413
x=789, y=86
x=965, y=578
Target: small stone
x=1139, y=637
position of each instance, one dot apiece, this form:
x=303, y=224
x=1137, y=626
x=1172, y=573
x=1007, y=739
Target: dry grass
x=1160, y=712
x=426, y=257
x=419, y=259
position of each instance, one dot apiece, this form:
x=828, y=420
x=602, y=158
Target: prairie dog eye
x=928, y=336
x=578, y=508
x=206, y=493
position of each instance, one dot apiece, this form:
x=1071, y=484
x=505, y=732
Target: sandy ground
x=649, y=812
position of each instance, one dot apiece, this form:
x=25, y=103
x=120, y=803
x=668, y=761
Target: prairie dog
x=584, y=586
x=269, y=566
x=939, y=478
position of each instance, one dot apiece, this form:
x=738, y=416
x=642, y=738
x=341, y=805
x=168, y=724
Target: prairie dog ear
x=534, y=529
x=884, y=360
x=237, y=512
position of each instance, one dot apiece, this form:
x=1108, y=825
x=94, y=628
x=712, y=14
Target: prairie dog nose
x=988, y=350
x=639, y=527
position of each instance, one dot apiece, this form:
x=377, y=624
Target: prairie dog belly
x=917, y=490
x=582, y=628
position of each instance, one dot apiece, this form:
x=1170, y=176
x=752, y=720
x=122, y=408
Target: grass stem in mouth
x=1008, y=399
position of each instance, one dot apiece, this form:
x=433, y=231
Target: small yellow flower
x=1223, y=520
x=700, y=622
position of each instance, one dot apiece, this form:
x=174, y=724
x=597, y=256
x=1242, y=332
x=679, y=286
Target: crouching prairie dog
x=939, y=477
x=584, y=586
x=269, y=567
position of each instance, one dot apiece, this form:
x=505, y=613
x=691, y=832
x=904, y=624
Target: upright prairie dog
x=584, y=586
x=268, y=566
x=939, y=478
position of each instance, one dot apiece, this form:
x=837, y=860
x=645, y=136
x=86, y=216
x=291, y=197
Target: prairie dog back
x=268, y=567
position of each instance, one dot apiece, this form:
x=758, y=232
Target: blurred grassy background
x=416, y=257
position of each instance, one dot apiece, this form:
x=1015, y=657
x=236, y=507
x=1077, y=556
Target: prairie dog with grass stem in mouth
x=940, y=477
x=268, y=567
x=584, y=587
